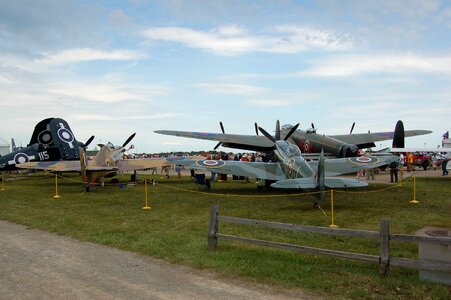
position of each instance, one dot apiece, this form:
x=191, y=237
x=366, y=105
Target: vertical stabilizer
x=398, y=136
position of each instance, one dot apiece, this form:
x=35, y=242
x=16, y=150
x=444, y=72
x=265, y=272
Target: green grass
x=176, y=229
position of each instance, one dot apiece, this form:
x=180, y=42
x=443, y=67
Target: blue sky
x=111, y=68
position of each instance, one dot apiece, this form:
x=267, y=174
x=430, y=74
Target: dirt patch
x=36, y=264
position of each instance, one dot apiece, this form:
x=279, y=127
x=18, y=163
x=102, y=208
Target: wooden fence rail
x=384, y=259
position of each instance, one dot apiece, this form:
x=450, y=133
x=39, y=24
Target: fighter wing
x=238, y=141
x=63, y=166
x=338, y=166
x=140, y=164
x=269, y=171
x=431, y=150
x=362, y=140
x=52, y=166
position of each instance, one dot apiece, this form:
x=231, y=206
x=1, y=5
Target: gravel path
x=35, y=264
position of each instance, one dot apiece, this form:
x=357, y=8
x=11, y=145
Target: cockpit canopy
x=286, y=127
x=293, y=150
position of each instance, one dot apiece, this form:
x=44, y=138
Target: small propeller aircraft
x=106, y=163
x=52, y=139
x=292, y=171
x=309, y=141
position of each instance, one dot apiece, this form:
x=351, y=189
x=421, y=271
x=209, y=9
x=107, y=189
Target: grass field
x=176, y=228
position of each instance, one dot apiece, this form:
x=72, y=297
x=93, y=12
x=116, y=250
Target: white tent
x=4, y=147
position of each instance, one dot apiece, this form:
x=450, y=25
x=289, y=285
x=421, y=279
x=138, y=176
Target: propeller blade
x=217, y=146
x=222, y=127
x=352, y=128
x=88, y=141
x=265, y=133
x=128, y=140
x=277, y=135
x=256, y=128
x=313, y=126
x=292, y=130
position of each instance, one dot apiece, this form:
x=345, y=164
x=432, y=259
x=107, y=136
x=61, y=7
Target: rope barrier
x=235, y=195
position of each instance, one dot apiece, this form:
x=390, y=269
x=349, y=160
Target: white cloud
x=231, y=88
x=106, y=91
x=269, y=102
x=235, y=40
x=354, y=65
x=85, y=54
x=91, y=117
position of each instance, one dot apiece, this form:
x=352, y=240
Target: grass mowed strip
x=176, y=228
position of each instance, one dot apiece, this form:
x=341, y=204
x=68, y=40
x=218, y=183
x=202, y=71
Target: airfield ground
x=36, y=264
x=175, y=230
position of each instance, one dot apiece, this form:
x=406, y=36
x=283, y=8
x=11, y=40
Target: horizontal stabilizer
x=296, y=183
x=336, y=183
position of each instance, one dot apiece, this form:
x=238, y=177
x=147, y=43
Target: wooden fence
x=383, y=259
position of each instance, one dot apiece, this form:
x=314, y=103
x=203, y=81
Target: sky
x=112, y=68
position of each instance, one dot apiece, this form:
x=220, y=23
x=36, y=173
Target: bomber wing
x=238, y=141
x=366, y=140
x=339, y=166
x=268, y=171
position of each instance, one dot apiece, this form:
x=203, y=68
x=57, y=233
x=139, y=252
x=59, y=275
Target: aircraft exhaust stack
x=398, y=136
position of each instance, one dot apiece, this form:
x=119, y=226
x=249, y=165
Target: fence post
x=213, y=227
x=384, y=259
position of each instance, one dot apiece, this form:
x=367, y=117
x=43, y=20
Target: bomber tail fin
x=398, y=136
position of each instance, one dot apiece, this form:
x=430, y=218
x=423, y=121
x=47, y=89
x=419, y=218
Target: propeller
x=128, y=140
x=277, y=135
x=292, y=130
x=223, y=131
x=352, y=128
x=88, y=141
x=265, y=133
x=85, y=145
x=256, y=128
x=313, y=128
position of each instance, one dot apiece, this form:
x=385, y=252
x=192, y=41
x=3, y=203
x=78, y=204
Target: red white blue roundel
x=364, y=160
x=210, y=163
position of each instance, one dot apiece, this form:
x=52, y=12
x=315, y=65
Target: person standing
x=401, y=166
x=394, y=171
x=444, y=164
x=409, y=162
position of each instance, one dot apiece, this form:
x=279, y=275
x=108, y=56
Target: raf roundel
x=364, y=160
x=210, y=163
x=65, y=135
x=45, y=137
x=21, y=158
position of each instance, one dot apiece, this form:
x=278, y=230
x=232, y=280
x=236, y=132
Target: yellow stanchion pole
x=56, y=187
x=415, y=201
x=3, y=181
x=145, y=190
x=332, y=225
